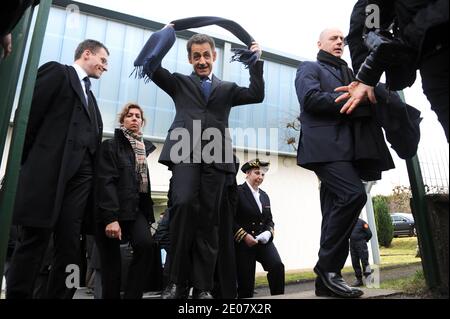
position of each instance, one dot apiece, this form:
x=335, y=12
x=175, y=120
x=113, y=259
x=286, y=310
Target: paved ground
x=305, y=289
x=369, y=293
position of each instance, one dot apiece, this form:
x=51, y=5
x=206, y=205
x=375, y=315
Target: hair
x=91, y=45
x=127, y=108
x=263, y=169
x=200, y=39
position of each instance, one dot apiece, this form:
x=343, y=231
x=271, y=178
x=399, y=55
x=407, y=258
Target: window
x=117, y=87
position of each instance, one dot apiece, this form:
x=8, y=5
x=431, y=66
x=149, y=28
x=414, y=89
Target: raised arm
x=255, y=92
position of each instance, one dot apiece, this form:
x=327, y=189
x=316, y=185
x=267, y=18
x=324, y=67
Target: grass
x=413, y=285
x=402, y=252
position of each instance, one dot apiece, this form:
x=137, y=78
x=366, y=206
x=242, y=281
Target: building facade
x=259, y=130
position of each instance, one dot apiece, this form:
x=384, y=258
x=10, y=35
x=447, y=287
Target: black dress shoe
x=322, y=290
x=201, y=294
x=358, y=283
x=174, y=291
x=336, y=285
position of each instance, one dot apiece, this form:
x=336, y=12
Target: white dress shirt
x=256, y=195
x=81, y=75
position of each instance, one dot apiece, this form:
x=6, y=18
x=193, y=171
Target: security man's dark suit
x=250, y=220
x=56, y=179
x=359, y=252
x=326, y=147
x=197, y=186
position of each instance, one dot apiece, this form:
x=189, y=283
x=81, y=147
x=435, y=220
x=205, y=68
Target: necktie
x=87, y=86
x=90, y=102
x=206, y=88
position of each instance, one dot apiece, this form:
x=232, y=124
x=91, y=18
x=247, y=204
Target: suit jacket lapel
x=98, y=113
x=215, y=84
x=248, y=193
x=76, y=85
x=333, y=71
x=196, y=80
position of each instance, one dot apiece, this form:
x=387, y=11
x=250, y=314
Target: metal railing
x=9, y=75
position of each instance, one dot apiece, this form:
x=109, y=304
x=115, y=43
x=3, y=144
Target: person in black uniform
x=361, y=234
x=254, y=232
x=419, y=42
x=125, y=207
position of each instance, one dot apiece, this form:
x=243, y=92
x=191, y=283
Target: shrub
x=385, y=229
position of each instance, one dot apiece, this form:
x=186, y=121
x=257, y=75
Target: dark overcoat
x=58, y=127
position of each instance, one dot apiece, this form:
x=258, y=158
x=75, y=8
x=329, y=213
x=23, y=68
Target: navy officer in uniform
x=254, y=232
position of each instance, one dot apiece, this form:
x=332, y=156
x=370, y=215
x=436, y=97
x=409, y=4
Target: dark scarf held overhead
x=160, y=42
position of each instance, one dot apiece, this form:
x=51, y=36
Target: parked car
x=403, y=224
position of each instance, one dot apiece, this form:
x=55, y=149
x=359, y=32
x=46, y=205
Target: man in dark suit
x=198, y=151
x=254, y=232
x=55, y=184
x=326, y=147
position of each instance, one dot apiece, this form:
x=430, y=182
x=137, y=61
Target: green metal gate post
x=8, y=192
x=9, y=74
x=424, y=232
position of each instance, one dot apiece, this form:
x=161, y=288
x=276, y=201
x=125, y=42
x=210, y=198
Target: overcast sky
x=287, y=27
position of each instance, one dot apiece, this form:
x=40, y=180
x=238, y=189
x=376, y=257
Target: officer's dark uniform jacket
x=361, y=231
x=249, y=219
x=117, y=183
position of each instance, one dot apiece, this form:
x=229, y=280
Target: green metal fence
x=9, y=74
x=424, y=231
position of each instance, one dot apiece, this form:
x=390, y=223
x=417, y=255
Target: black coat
x=191, y=106
x=55, y=144
x=225, y=276
x=361, y=231
x=421, y=24
x=162, y=235
x=117, y=186
x=326, y=135
x=12, y=12
x=249, y=219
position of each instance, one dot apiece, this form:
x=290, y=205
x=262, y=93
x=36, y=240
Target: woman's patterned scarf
x=137, y=144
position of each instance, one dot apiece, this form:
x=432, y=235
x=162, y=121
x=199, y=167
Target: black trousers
x=267, y=255
x=139, y=235
x=342, y=196
x=33, y=242
x=434, y=72
x=196, y=196
x=360, y=257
